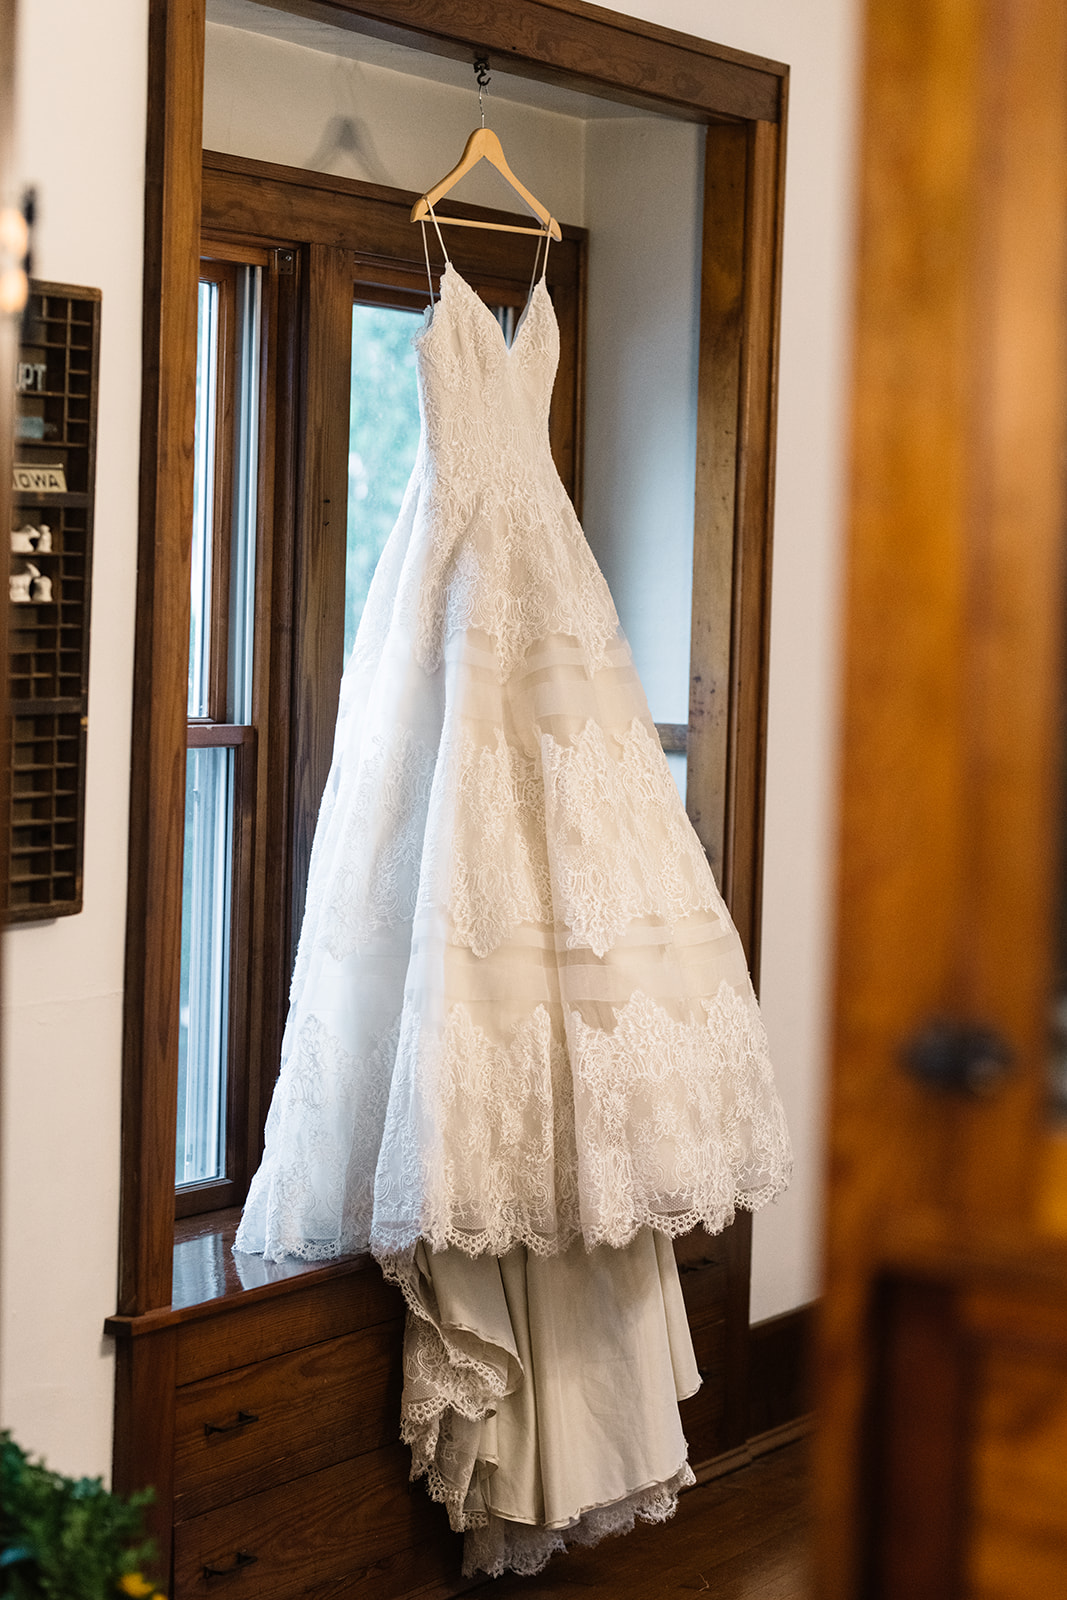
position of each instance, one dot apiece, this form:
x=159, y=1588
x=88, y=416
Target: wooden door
x=941, y=1462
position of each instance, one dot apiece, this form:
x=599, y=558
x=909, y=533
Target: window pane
x=205, y=966
x=245, y=499
x=203, y=498
x=383, y=437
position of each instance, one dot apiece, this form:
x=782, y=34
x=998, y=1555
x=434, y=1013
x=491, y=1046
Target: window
x=220, y=776
x=306, y=398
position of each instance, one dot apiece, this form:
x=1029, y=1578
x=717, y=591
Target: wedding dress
x=523, y=1050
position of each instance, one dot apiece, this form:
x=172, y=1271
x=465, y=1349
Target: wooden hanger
x=483, y=145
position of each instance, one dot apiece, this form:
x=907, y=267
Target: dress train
x=541, y=1393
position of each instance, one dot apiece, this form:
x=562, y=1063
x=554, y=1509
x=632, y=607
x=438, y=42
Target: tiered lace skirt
x=523, y=1048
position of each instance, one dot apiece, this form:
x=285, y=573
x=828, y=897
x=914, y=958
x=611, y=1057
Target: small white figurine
x=44, y=540
x=24, y=539
x=20, y=584
x=41, y=589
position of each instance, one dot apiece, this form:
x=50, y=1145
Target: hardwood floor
x=742, y=1537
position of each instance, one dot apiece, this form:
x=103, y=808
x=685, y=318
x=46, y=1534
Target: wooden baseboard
x=761, y=1445
x=779, y=1398
x=779, y=1358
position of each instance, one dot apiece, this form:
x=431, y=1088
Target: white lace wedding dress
x=523, y=1049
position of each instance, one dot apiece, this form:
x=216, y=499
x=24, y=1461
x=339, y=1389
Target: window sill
x=210, y=1280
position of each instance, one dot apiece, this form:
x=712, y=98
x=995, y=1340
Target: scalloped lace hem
x=498, y=1545
x=499, y=1240
x=674, y=1124
x=453, y=1379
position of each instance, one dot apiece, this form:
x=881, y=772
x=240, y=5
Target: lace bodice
x=496, y=543
x=483, y=401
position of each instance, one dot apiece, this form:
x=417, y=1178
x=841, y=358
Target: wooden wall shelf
x=48, y=632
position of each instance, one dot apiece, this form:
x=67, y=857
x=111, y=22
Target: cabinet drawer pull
x=243, y=1418
x=241, y=1560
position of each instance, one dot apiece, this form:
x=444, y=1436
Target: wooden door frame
x=742, y=100
x=951, y=743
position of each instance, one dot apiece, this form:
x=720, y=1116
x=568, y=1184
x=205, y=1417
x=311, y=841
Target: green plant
x=67, y=1538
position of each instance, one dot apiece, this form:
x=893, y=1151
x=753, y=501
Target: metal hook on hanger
x=482, y=74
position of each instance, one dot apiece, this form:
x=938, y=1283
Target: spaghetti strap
x=440, y=238
x=426, y=253
x=537, y=257
x=426, y=249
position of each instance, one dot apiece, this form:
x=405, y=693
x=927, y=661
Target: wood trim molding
x=143, y=1452
x=157, y=781
x=320, y=560
x=578, y=45
x=246, y=197
x=779, y=1370
x=733, y=519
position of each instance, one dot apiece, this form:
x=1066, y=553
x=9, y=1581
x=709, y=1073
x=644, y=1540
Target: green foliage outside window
x=383, y=438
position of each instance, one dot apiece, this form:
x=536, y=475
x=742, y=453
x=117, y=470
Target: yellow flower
x=139, y=1588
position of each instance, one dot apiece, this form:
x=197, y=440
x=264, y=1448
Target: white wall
x=81, y=75
x=63, y=981
x=277, y=101
x=644, y=180
x=818, y=40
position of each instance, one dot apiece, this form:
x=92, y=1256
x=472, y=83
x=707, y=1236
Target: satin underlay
x=541, y=1393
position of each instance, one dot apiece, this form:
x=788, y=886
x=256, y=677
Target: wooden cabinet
x=716, y=1419
x=241, y=1431
x=356, y=1524
x=275, y=1455
x=275, y=1403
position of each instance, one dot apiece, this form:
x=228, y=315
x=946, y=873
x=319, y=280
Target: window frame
x=742, y=100
x=260, y=785
x=215, y=731
x=224, y=275
x=299, y=605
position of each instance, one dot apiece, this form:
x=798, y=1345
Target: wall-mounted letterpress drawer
x=246, y=1430
x=356, y=1525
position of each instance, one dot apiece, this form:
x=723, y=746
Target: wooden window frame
x=224, y=275
x=219, y=262
x=213, y=1194
x=212, y=731
x=286, y=751
x=742, y=101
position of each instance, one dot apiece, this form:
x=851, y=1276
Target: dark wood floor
x=742, y=1537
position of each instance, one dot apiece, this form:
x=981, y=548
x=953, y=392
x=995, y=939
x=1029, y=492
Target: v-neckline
x=472, y=291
